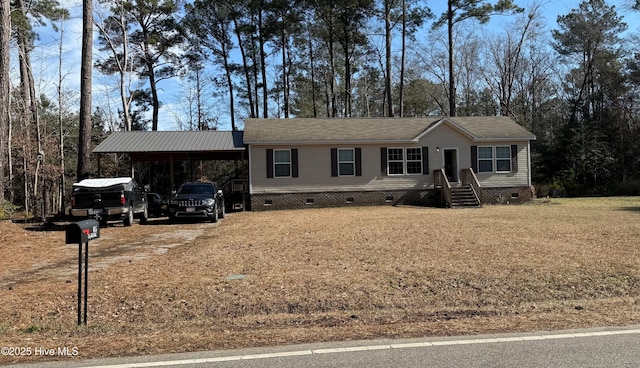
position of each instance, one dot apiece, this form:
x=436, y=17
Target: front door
x=451, y=164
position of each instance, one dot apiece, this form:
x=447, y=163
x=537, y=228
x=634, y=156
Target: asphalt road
x=611, y=348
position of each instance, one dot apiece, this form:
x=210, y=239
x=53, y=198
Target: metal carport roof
x=175, y=145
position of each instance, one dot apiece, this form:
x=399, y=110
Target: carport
x=173, y=146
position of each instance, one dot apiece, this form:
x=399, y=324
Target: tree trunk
x=347, y=82
x=285, y=74
x=255, y=58
x=84, y=134
x=62, y=179
x=313, y=78
x=347, y=71
x=387, y=36
x=402, y=58
x=263, y=66
x=9, y=144
x=452, y=85
x=5, y=86
x=125, y=96
x=155, y=101
x=227, y=69
x=332, y=82
x=202, y=124
x=246, y=70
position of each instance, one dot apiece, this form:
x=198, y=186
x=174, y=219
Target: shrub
x=7, y=211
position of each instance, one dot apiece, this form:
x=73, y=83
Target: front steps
x=463, y=196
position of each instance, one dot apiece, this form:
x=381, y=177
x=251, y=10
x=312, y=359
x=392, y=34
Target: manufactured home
x=301, y=163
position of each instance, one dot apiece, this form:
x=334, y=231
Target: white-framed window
x=414, y=161
x=346, y=162
x=485, y=159
x=282, y=163
x=404, y=161
x=495, y=159
x=503, y=159
x=395, y=161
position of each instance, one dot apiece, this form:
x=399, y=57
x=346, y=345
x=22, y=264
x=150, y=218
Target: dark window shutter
x=269, y=163
x=334, y=162
x=294, y=162
x=514, y=158
x=358, y=161
x=425, y=160
x=474, y=158
x=383, y=161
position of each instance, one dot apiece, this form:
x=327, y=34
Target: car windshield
x=197, y=189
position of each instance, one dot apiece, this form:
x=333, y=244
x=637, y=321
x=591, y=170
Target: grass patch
x=333, y=274
x=32, y=329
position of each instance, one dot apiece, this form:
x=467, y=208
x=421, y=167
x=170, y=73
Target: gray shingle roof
x=491, y=127
x=166, y=141
x=318, y=131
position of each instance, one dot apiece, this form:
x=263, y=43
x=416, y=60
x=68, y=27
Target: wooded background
x=572, y=81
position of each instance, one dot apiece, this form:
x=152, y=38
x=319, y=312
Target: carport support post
x=172, y=186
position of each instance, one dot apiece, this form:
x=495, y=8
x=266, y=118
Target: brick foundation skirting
x=506, y=195
x=282, y=201
x=263, y=202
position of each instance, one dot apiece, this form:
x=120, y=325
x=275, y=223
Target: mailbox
x=82, y=231
x=78, y=233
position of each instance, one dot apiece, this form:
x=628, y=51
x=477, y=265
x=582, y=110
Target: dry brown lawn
x=268, y=278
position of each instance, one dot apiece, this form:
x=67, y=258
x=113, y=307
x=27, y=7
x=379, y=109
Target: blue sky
x=45, y=57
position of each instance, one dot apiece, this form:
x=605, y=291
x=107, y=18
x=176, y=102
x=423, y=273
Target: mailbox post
x=78, y=233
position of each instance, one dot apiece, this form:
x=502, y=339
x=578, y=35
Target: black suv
x=197, y=200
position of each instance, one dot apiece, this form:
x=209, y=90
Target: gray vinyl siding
x=512, y=179
x=314, y=172
x=446, y=137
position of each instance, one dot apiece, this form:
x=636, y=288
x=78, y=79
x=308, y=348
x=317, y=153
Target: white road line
x=493, y=340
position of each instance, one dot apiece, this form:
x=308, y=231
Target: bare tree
x=210, y=24
x=61, y=75
x=458, y=11
x=409, y=15
x=25, y=16
x=5, y=40
x=114, y=35
x=506, y=57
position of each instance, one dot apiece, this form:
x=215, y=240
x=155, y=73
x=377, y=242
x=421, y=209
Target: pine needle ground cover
x=282, y=277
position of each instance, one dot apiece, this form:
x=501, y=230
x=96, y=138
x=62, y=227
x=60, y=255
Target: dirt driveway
x=36, y=252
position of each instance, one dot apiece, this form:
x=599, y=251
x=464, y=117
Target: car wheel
x=214, y=217
x=145, y=215
x=128, y=221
